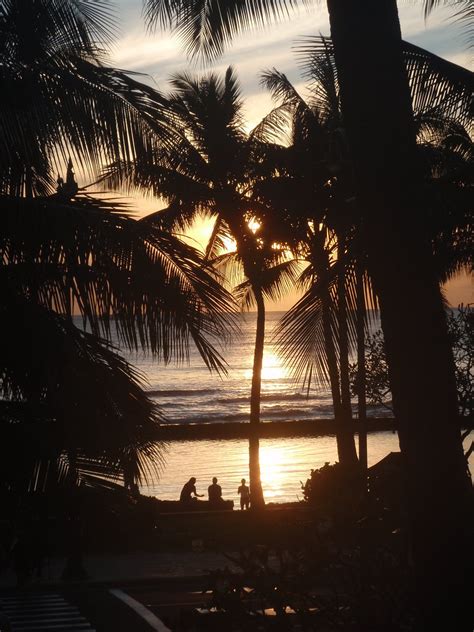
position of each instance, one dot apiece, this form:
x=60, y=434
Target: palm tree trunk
x=378, y=118
x=361, y=373
x=346, y=422
x=344, y=435
x=256, y=493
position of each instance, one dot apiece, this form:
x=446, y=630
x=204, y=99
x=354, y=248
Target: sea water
x=285, y=463
x=190, y=394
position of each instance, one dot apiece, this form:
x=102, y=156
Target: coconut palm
x=317, y=136
x=137, y=285
x=210, y=171
x=445, y=151
x=374, y=96
x=72, y=408
x=268, y=274
x=84, y=255
x=316, y=198
x=59, y=97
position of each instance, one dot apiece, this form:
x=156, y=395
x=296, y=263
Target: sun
x=272, y=368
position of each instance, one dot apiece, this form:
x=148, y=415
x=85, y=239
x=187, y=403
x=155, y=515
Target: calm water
x=284, y=463
x=190, y=394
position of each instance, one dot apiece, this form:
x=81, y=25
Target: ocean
x=190, y=394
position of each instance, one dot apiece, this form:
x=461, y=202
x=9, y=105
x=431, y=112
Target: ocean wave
x=188, y=392
x=288, y=414
x=271, y=397
x=212, y=417
x=267, y=416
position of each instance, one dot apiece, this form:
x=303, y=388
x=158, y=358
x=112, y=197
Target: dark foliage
x=461, y=333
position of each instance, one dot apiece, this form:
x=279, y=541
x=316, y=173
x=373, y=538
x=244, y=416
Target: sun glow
x=254, y=225
x=272, y=468
x=272, y=368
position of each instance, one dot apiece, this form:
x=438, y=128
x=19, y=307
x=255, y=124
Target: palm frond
x=217, y=241
x=87, y=399
x=207, y=26
x=230, y=266
x=278, y=279
x=33, y=28
x=299, y=339
x=157, y=290
x=60, y=100
x=437, y=86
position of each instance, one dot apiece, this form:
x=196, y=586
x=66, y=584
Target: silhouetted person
x=215, y=493
x=244, y=492
x=189, y=489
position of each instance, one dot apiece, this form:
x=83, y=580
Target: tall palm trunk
x=347, y=425
x=361, y=372
x=344, y=434
x=344, y=438
x=375, y=96
x=256, y=492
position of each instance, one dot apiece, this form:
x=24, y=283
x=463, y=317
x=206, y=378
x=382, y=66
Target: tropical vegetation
x=375, y=95
x=69, y=259
x=461, y=334
x=211, y=171
x=371, y=193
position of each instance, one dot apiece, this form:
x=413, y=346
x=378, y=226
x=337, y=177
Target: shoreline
x=267, y=430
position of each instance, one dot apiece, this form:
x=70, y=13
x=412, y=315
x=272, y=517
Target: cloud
x=160, y=54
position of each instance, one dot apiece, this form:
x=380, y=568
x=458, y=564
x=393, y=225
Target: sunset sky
x=160, y=55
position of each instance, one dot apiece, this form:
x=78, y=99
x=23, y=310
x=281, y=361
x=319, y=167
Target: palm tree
x=318, y=138
x=60, y=99
x=451, y=99
x=72, y=408
x=210, y=171
x=316, y=176
x=139, y=285
x=61, y=255
x=268, y=274
x=375, y=95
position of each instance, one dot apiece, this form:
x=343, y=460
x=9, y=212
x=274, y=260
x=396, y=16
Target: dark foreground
x=338, y=561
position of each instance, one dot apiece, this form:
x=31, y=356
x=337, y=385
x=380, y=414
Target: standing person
x=215, y=492
x=244, y=495
x=189, y=488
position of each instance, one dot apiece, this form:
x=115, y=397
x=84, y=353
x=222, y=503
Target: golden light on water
x=272, y=469
x=283, y=463
x=272, y=368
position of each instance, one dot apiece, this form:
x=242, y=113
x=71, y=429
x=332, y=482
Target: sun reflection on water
x=284, y=463
x=273, y=460
x=272, y=368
